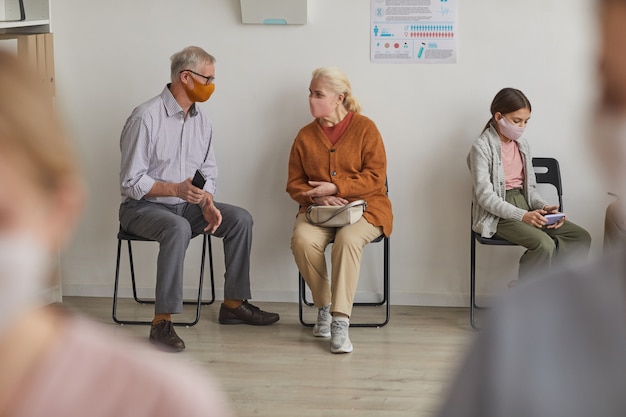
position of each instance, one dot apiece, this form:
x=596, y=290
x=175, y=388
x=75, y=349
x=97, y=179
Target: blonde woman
x=337, y=158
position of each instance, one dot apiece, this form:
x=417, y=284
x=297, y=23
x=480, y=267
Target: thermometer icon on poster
x=421, y=50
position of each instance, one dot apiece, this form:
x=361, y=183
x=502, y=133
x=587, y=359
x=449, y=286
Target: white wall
x=111, y=56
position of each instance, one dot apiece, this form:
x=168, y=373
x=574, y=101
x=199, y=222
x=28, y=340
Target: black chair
x=206, y=245
x=547, y=171
x=384, y=300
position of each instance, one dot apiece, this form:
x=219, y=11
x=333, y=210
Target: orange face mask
x=199, y=92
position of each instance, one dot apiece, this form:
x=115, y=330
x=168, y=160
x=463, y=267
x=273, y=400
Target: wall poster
x=414, y=31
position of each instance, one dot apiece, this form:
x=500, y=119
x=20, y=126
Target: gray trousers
x=173, y=226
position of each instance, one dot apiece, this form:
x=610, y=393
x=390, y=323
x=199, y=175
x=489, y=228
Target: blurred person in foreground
x=52, y=362
x=557, y=346
x=614, y=224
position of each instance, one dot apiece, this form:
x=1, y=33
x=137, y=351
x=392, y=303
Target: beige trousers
x=308, y=244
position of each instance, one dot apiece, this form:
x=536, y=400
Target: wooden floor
x=401, y=369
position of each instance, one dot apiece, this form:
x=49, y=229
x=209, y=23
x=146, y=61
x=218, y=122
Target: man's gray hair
x=189, y=58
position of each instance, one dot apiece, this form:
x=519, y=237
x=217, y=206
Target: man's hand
x=211, y=214
x=321, y=189
x=188, y=192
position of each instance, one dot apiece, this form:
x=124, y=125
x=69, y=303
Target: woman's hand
x=321, y=189
x=330, y=201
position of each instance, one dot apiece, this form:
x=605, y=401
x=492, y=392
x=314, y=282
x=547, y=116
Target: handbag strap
x=336, y=213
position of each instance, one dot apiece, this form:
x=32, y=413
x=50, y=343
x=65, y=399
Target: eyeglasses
x=209, y=80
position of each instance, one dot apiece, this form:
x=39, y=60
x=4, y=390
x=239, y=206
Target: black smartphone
x=198, y=179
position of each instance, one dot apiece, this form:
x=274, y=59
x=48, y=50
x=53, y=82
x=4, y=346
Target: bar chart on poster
x=414, y=31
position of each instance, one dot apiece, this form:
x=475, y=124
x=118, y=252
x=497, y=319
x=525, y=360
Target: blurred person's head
x=608, y=137
x=40, y=189
x=613, y=53
x=510, y=112
x=329, y=89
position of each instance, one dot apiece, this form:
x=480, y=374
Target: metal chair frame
x=383, y=301
x=206, y=245
x=551, y=176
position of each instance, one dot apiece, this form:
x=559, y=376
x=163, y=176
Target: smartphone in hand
x=198, y=179
x=553, y=218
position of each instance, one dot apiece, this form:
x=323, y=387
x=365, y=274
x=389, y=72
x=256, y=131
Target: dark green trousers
x=546, y=248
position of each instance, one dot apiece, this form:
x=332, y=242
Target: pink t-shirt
x=93, y=373
x=513, y=165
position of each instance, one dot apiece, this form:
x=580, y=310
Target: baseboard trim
x=283, y=296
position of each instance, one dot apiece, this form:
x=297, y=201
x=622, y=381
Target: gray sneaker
x=322, y=324
x=339, y=339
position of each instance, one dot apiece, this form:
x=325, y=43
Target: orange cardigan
x=356, y=164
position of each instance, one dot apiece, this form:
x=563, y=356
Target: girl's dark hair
x=506, y=101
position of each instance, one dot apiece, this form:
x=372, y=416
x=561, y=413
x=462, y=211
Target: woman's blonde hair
x=338, y=83
x=29, y=128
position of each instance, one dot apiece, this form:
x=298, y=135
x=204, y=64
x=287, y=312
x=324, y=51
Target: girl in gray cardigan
x=506, y=203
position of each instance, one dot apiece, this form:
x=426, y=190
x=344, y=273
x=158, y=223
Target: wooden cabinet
x=36, y=16
x=31, y=36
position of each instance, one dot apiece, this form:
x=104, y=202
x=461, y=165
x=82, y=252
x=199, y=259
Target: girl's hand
x=557, y=224
x=535, y=218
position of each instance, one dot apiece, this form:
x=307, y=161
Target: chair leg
x=206, y=244
x=116, y=284
x=473, y=305
x=302, y=300
x=210, y=246
x=385, y=300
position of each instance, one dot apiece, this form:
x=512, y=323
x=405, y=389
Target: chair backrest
x=547, y=171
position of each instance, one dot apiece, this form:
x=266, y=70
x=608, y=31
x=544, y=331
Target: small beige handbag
x=336, y=216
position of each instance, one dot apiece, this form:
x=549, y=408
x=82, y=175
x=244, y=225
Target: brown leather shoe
x=163, y=335
x=246, y=313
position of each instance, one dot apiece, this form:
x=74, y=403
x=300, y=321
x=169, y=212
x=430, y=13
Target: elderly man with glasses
x=163, y=143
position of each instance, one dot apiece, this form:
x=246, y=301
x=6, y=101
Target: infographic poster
x=414, y=31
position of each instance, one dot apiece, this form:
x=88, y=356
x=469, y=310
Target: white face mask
x=24, y=262
x=509, y=130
